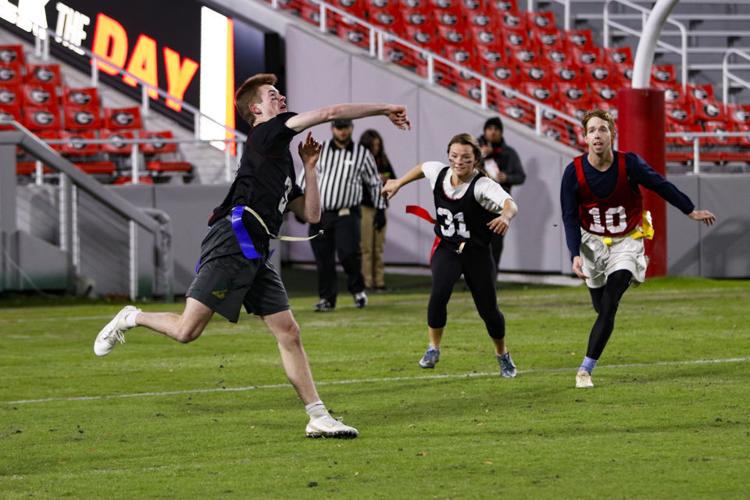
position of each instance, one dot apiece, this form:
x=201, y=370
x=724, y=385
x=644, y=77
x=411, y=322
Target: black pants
x=496, y=244
x=605, y=301
x=341, y=235
x=476, y=264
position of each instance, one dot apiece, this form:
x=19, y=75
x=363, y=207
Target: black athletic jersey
x=462, y=219
x=265, y=179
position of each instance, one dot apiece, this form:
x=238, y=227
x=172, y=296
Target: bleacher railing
x=156, y=222
x=378, y=37
x=728, y=71
x=609, y=22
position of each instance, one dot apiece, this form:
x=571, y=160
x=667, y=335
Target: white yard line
x=454, y=376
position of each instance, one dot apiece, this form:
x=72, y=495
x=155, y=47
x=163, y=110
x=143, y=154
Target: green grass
x=657, y=425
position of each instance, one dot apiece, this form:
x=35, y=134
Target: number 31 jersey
x=461, y=219
x=615, y=215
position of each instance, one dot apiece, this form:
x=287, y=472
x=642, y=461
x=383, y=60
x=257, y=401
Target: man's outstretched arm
x=396, y=113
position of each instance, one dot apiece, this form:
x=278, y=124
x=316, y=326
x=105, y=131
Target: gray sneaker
x=507, y=367
x=430, y=358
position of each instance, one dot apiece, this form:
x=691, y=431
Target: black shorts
x=227, y=280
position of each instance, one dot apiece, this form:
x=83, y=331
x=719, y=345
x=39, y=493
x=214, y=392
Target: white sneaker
x=114, y=331
x=583, y=380
x=328, y=427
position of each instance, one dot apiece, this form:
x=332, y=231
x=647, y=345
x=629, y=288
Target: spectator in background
x=373, y=219
x=502, y=164
x=344, y=169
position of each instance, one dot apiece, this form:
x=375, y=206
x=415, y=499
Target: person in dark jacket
x=502, y=164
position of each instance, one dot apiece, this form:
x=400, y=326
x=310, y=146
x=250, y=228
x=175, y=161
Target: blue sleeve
x=569, y=205
x=642, y=173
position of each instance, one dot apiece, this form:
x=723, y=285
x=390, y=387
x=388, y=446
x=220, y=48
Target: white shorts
x=600, y=260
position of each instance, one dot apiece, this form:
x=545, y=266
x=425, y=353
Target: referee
x=344, y=169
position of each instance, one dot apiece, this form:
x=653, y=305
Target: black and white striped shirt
x=343, y=173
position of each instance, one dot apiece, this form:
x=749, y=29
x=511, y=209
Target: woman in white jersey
x=469, y=207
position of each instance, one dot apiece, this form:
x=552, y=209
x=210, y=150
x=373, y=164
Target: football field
x=669, y=416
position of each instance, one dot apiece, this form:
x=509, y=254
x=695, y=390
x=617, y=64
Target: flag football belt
x=424, y=214
x=645, y=230
x=243, y=238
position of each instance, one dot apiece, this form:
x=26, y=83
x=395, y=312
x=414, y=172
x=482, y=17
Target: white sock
x=316, y=409
x=130, y=318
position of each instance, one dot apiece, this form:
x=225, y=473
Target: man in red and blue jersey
x=602, y=212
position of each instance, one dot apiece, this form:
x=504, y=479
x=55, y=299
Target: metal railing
x=378, y=37
x=71, y=180
x=609, y=21
x=726, y=72
x=695, y=138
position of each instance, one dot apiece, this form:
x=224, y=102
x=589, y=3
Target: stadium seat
x=738, y=114
x=580, y=39
x=46, y=74
x=39, y=95
x=125, y=179
x=12, y=55
x=709, y=111
x=663, y=75
x=77, y=144
x=10, y=96
x=10, y=75
x=541, y=22
x=81, y=97
x=587, y=56
x=116, y=146
x=679, y=113
x=157, y=147
x=29, y=168
x=9, y=113
x=566, y=73
x=40, y=118
x=718, y=128
x=123, y=118
x=102, y=168
x=81, y=118
x=551, y=41
x=604, y=93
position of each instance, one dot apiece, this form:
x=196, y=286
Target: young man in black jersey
x=470, y=208
x=234, y=270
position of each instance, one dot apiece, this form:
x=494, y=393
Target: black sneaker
x=324, y=306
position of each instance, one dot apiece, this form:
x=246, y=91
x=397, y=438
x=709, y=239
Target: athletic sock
x=588, y=364
x=130, y=318
x=316, y=409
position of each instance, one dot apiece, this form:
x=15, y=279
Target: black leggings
x=606, y=300
x=476, y=264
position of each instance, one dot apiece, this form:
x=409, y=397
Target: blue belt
x=243, y=238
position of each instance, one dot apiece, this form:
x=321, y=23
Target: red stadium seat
x=41, y=95
x=719, y=127
x=513, y=21
x=740, y=115
x=157, y=147
x=555, y=56
x=551, y=41
x=354, y=33
x=46, y=74
x=566, y=73
x=581, y=39
x=674, y=93
x=573, y=92
x=82, y=118
x=523, y=56
x=541, y=22
x=678, y=113
x=82, y=97
x=541, y=91
x=126, y=179
x=12, y=55
x=77, y=144
x=587, y=56
x=471, y=6
x=29, y=168
x=619, y=55
x=123, y=118
x=500, y=7
x=663, y=75
x=99, y=167
x=354, y=7
x=10, y=97
x=40, y=118
x=604, y=93
x=709, y=111
x=10, y=75
x=116, y=146
x=502, y=72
